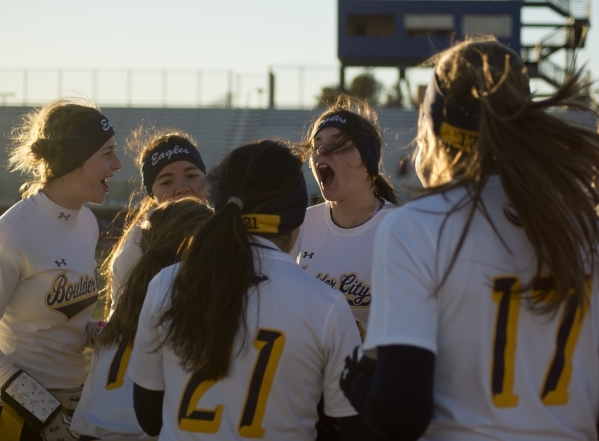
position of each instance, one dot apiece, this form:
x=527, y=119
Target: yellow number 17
x=557, y=378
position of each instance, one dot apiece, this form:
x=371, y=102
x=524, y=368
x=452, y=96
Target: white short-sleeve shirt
x=299, y=333
x=341, y=257
x=502, y=371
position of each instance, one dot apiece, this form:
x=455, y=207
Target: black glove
x=357, y=365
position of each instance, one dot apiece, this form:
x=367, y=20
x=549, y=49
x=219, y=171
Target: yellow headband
x=459, y=138
x=262, y=223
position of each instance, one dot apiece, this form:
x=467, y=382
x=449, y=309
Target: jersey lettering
x=70, y=298
x=559, y=372
x=118, y=367
x=504, y=348
x=269, y=344
x=356, y=291
x=326, y=278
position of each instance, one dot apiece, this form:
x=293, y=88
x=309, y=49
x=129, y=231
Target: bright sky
x=244, y=36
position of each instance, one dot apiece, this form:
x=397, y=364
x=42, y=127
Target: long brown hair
x=38, y=142
x=547, y=166
x=163, y=237
x=364, y=122
x=139, y=144
x=209, y=295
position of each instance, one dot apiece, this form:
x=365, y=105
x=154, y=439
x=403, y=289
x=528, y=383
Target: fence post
x=25, y=86
x=129, y=88
x=229, y=99
x=301, y=87
x=164, y=87
x=271, y=89
x=199, y=88
x=239, y=100
x=59, y=79
x=95, y=85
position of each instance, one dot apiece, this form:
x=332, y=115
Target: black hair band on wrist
x=165, y=154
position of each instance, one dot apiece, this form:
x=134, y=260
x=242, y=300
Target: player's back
x=106, y=406
x=298, y=333
x=503, y=371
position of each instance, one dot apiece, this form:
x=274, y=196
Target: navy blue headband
x=83, y=141
x=165, y=154
x=456, y=124
x=369, y=147
x=275, y=218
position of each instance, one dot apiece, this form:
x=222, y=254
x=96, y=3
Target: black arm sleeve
x=397, y=399
x=148, y=409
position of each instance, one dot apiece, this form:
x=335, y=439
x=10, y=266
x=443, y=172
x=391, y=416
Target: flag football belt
x=24, y=400
x=69, y=398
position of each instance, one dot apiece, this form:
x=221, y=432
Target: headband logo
x=176, y=150
x=332, y=119
x=262, y=223
x=106, y=125
x=459, y=138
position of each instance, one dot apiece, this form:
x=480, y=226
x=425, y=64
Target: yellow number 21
x=269, y=344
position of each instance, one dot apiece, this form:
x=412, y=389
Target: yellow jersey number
x=559, y=372
x=269, y=344
x=118, y=367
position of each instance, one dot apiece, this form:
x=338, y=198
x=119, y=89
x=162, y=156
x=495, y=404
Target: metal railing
x=581, y=9
x=551, y=72
x=548, y=45
x=553, y=42
x=564, y=5
x=567, y=8
x=295, y=86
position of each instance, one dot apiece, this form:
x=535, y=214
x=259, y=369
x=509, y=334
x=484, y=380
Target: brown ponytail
x=210, y=291
x=547, y=166
x=170, y=225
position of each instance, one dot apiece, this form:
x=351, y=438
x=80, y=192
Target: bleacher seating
x=218, y=131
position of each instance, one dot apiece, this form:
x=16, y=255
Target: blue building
x=404, y=33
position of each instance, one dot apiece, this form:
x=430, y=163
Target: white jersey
x=298, y=335
x=125, y=259
x=502, y=372
x=341, y=257
x=106, y=407
x=48, y=290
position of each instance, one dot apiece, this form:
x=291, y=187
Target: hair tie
x=235, y=200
